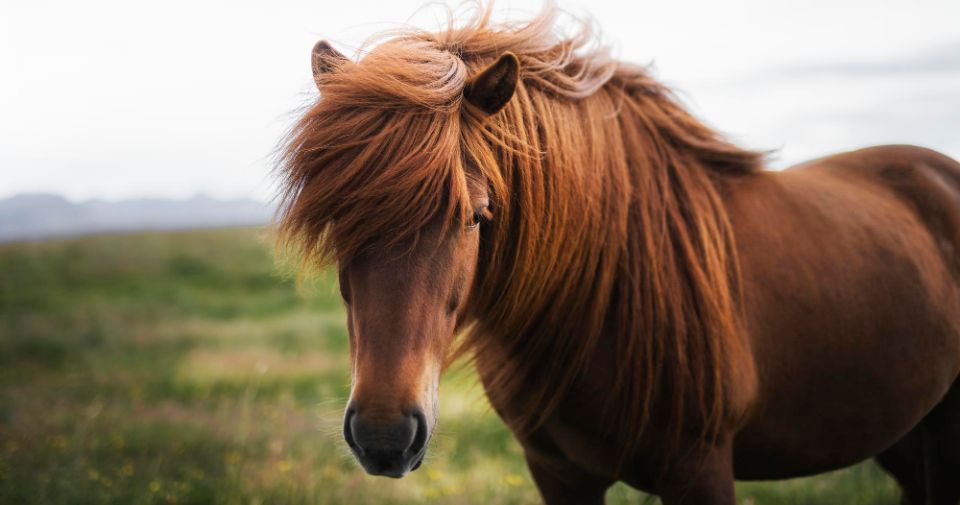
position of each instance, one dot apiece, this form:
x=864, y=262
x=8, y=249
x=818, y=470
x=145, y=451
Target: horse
x=643, y=301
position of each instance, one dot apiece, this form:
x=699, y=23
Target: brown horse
x=642, y=301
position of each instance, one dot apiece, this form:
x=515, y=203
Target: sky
x=118, y=99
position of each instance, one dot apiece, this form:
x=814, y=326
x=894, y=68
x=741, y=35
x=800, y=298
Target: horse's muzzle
x=392, y=449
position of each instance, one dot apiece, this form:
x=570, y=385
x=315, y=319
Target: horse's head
x=403, y=304
x=405, y=296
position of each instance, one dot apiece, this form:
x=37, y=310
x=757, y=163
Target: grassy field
x=181, y=368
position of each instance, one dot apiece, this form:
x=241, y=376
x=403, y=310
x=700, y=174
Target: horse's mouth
x=391, y=469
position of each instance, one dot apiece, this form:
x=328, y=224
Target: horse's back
x=925, y=180
x=852, y=304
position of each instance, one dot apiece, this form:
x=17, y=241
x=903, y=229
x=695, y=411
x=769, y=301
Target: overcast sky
x=120, y=99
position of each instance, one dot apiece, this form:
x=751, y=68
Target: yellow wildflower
x=513, y=480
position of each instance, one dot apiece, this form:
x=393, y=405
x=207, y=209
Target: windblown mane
x=608, y=231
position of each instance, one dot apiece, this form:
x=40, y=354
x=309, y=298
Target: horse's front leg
x=562, y=483
x=703, y=480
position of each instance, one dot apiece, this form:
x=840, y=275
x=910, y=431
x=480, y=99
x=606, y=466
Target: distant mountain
x=34, y=216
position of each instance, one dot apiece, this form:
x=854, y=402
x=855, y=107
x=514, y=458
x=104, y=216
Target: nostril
x=348, y=429
x=420, y=433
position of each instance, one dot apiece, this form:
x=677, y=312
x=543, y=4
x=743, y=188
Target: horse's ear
x=493, y=87
x=325, y=58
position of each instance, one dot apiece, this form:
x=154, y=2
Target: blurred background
x=153, y=349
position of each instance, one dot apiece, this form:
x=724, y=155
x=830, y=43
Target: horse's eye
x=475, y=220
x=479, y=214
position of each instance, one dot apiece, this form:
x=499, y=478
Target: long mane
x=609, y=228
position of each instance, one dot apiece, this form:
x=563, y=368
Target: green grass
x=181, y=368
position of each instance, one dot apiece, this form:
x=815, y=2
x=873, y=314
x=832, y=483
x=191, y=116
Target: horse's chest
x=573, y=432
